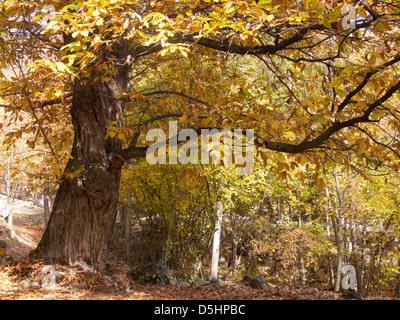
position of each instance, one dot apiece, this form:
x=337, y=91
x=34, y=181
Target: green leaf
x=270, y=17
x=321, y=120
x=71, y=7
x=289, y=134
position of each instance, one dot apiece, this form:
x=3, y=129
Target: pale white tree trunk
x=128, y=213
x=216, y=242
x=8, y=181
x=328, y=232
x=338, y=223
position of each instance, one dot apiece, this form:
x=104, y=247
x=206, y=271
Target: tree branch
x=140, y=152
x=344, y=103
x=377, y=142
x=175, y=93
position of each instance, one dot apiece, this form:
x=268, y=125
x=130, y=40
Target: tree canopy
x=286, y=69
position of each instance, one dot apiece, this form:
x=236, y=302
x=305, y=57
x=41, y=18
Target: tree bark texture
x=84, y=211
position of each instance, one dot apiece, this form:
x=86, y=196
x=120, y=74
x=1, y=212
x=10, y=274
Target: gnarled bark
x=85, y=207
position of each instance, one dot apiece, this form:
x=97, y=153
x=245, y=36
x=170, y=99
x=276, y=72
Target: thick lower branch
x=140, y=152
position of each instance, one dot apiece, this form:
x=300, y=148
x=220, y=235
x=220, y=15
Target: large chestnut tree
x=315, y=79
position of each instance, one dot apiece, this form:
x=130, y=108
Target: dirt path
x=28, y=226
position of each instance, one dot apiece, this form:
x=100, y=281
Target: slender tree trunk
x=378, y=252
x=8, y=181
x=234, y=253
x=169, y=234
x=339, y=242
x=234, y=243
x=356, y=258
x=371, y=271
x=122, y=217
x=84, y=211
x=9, y=195
x=216, y=242
x=128, y=213
x=338, y=226
x=328, y=232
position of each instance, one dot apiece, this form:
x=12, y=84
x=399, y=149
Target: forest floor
x=23, y=278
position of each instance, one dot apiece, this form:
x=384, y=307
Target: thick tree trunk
x=85, y=207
